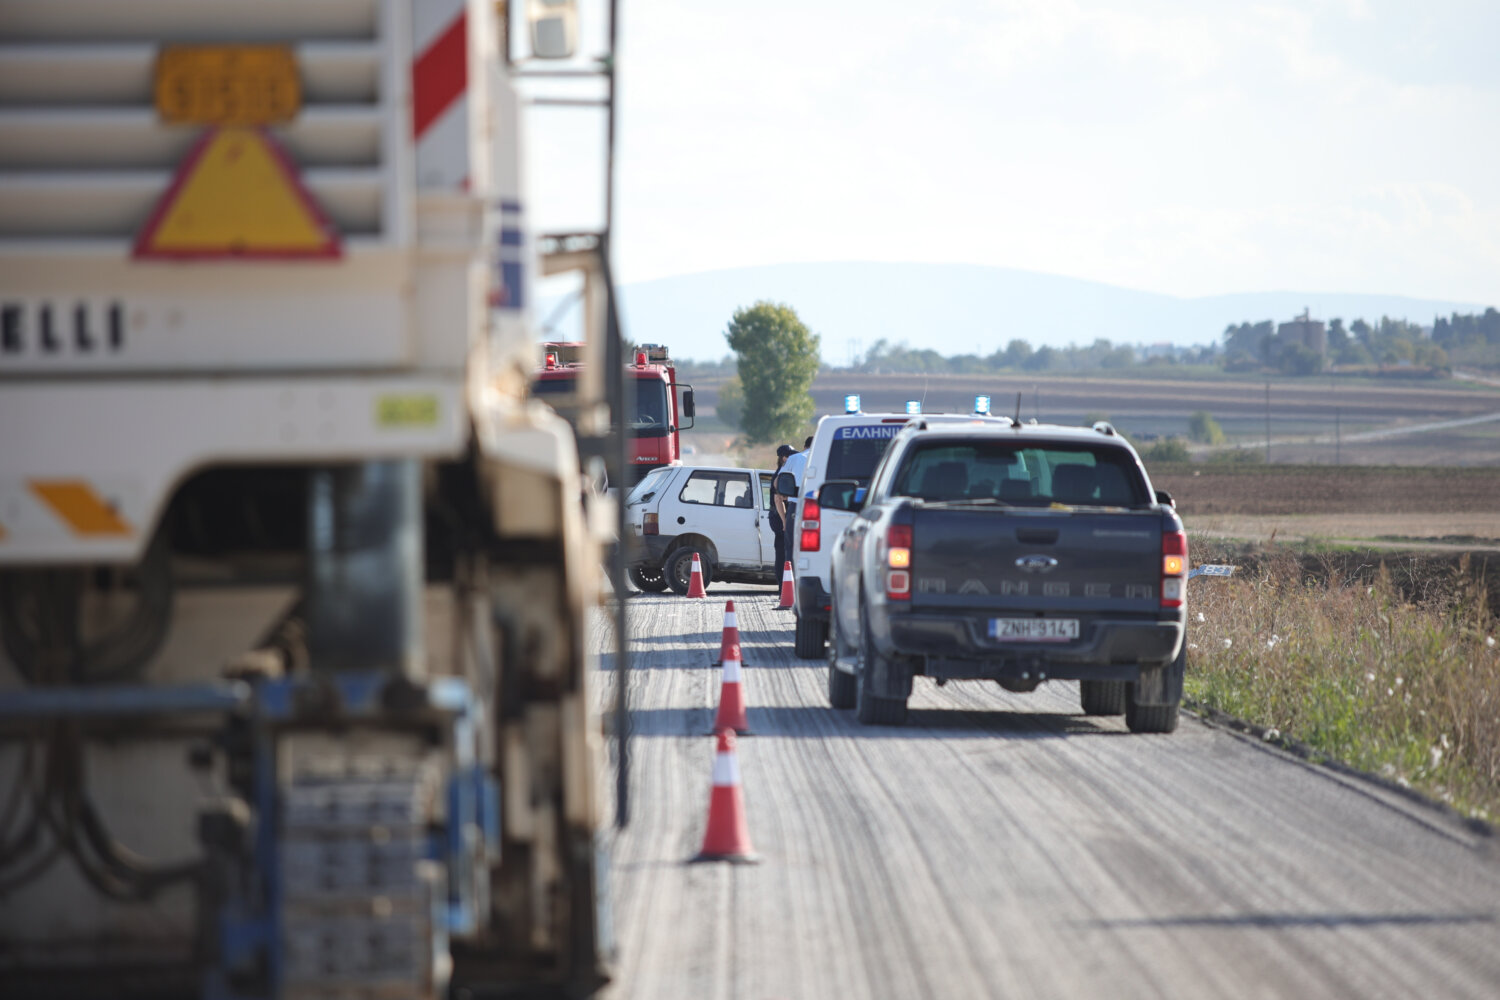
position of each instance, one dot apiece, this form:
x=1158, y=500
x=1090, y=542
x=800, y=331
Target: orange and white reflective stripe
x=440, y=93
x=77, y=505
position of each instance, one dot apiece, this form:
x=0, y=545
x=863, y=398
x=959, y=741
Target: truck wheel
x=679, y=570
x=841, y=686
x=810, y=636
x=1102, y=697
x=649, y=579
x=871, y=709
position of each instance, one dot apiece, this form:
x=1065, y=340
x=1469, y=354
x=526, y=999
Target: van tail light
x=1174, y=557
x=812, y=525
x=649, y=525
x=898, y=562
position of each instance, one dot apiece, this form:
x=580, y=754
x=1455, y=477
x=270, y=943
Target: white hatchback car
x=722, y=514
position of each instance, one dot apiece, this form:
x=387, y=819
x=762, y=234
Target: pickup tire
x=679, y=569
x=810, y=637
x=841, y=686
x=1102, y=697
x=1158, y=718
x=647, y=579
x=871, y=709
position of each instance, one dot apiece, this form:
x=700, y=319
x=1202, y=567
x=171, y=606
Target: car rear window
x=857, y=448
x=1036, y=475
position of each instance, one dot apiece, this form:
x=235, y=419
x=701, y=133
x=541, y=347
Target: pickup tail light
x=1174, y=557
x=649, y=525
x=812, y=525
x=898, y=562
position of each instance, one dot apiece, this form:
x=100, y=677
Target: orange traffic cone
x=732, y=693
x=788, y=588
x=727, y=837
x=695, y=582
x=731, y=636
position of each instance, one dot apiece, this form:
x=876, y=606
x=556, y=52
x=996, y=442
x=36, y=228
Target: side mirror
x=1163, y=497
x=553, y=26
x=841, y=494
x=689, y=407
x=786, y=485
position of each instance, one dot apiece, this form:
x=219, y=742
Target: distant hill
x=964, y=308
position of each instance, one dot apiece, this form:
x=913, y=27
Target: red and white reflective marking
x=440, y=93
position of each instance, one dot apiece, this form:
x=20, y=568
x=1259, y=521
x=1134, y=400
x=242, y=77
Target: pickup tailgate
x=1031, y=562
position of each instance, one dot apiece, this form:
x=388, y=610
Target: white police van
x=845, y=446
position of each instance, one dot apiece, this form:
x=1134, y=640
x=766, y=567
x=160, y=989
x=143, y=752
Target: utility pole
x=1268, y=422
x=1337, y=436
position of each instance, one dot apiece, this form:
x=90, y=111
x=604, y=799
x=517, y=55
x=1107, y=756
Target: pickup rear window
x=1038, y=475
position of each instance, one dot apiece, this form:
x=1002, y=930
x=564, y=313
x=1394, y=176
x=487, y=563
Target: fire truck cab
x=657, y=414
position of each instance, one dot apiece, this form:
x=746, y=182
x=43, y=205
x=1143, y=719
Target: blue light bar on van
x=982, y=405
x=913, y=406
x=851, y=404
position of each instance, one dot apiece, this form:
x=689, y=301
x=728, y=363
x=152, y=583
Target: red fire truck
x=657, y=418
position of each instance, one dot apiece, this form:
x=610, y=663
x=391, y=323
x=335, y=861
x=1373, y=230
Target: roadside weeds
x=1396, y=677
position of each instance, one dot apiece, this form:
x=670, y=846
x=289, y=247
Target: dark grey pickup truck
x=1020, y=553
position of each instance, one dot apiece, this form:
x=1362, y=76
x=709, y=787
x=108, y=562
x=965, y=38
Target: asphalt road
x=1005, y=845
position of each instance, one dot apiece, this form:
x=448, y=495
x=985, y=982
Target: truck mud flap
x=1160, y=685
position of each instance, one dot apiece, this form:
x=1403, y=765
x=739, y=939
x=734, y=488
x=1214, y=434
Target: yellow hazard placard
x=237, y=194
x=227, y=84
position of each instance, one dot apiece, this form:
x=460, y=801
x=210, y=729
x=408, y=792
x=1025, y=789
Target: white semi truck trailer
x=293, y=573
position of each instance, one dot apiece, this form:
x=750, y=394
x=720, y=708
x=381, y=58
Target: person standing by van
x=778, y=510
x=796, y=464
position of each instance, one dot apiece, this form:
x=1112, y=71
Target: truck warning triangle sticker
x=237, y=195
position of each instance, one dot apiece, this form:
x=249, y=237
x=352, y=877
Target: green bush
x=1173, y=449
x=1203, y=428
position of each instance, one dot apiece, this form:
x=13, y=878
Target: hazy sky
x=1188, y=148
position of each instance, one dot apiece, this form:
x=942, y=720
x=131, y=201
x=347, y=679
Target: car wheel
x=679, y=569
x=841, y=686
x=1102, y=697
x=649, y=579
x=1158, y=718
x=809, y=638
x=869, y=708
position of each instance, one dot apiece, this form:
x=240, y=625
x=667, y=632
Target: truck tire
x=1102, y=697
x=647, y=579
x=841, y=686
x=811, y=634
x=679, y=570
x=869, y=708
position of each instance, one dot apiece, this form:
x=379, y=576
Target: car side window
x=737, y=491
x=701, y=487
x=765, y=491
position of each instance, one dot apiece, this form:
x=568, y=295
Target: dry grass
x=1392, y=671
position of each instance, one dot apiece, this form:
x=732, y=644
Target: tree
x=731, y=404
x=1203, y=428
x=777, y=359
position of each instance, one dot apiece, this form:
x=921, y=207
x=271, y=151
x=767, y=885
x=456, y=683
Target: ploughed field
x=1318, y=419
x=1318, y=489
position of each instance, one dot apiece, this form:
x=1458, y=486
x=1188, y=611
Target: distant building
x=1310, y=333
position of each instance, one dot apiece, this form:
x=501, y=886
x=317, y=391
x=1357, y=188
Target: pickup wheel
x=1158, y=718
x=679, y=569
x=811, y=634
x=1102, y=697
x=871, y=709
x=841, y=686
x=649, y=579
